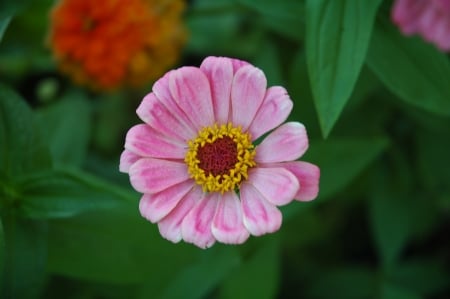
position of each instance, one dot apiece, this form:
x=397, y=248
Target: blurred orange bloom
x=114, y=43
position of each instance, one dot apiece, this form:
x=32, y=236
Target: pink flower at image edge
x=428, y=18
x=203, y=179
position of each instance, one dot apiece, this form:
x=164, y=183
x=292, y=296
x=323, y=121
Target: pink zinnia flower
x=194, y=160
x=429, y=18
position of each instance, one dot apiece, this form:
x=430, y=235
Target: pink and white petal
x=190, y=88
x=196, y=226
x=154, y=207
x=170, y=226
x=219, y=71
x=278, y=185
x=149, y=175
x=274, y=110
x=286, y=143
x=147, y=142
x=162, y=91
x=308, y=175
x=260, y=216
x=156, y=115
x=237, y=64
x=127, y=158
x=228, y=226
x=247, y=94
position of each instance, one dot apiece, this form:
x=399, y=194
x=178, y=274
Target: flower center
x=219, y=158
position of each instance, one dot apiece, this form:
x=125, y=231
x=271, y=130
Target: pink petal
x=308, y=175
x=286, y=143
x=190, y=88
x=162, y=91
x=278, y=185
x=219, y=71
x=155, y=114
x=196, y=226
x=147, y=142
x=274, y=111
x=149, y=175
x=406, y=14
x=228, y=226
x=127, y=159
x=154, y=207
x=170, y=226
x=247, y=94
x=260, y=216
x=237, y=64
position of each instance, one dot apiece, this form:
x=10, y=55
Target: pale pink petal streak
x=219, y=71
x=278, y=185
x=274, y=110
x=308, y=175
x=147, y=142
x=170, y=226
x=156, y=115
x=260, y=216
x=190, y=88
x=149, y=175
x=154, y=207
x=286, y=143
x=247, y=94
x=196, y=226
x=127, y=159
x=228, y=226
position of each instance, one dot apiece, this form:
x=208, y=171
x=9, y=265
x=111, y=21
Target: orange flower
x=113, y=43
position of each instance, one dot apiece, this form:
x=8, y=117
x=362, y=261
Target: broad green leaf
x=67, y=126
x=285, y=17
x=257, y=277
x=198, y=280
x=337, y=37
x=347, y=282
x=391, y=291
x=340, y=162
x=3, y=25
x=413, y=70
x=22, y=150
x=115, y=245
x=65, y=193
x=25, y=257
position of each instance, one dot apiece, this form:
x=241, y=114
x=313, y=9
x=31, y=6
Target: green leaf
x=285, y=17
x=337, y=37
x=115, y=246
x=3, y=25
x=67, y=126
x=9, y=8
x=25, y=257
x=65, y=193
x=391, y=291
x=269, y=61
x=22, y=150
x=413, y=70
x=340, y=162
x=201, y=278
x=257, y=277
x=349, y=282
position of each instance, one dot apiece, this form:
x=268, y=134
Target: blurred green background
x=376, y=106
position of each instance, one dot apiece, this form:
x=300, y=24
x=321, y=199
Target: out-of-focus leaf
x=340, y=161
x=25, y=257
x=269, y=61
x=344, y=283
x=423, y=276
x=391, y=291
x=337, y=37
x=65, y=193
x=257, y=277
x=201, y=278
x=4, y=22
x=115, y=246
x=285, y=17
x=67, y=125
x=413, y=70
x=21, y=149
x=11, y=7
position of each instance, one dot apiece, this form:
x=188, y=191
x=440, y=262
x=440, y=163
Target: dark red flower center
x=218, y=157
